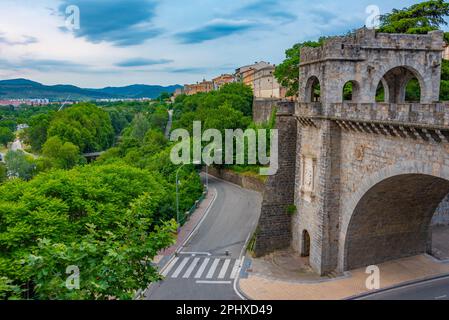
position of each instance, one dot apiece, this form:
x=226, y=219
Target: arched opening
x=305, y=249
x=413, y=91
x=393, y=220
x=313, y=90
x=400, y=85
x=351, y=91
x=380, y=93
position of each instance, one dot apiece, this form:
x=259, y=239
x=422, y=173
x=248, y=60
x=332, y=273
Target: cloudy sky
x=122, y=42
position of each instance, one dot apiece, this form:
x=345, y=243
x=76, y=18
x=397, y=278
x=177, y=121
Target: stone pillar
x=274, y=229
x=325, y=257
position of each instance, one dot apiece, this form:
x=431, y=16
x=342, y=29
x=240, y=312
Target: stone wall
x=263, y=108
x=351, y=223
x=274, y=229
x=442, y=214
x=247, y=182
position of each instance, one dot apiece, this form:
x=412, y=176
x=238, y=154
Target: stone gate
x=364, y=175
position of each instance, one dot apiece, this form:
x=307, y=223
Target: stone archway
x=351, y=91
x=395, y=82
x=389, y=216
x=313, y=90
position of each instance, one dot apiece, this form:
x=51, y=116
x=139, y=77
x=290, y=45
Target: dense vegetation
x=109, y=218
x=417, y=19
x=228, y=108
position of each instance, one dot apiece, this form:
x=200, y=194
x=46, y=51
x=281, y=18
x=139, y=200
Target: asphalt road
x=203, y=271
x=436, y=289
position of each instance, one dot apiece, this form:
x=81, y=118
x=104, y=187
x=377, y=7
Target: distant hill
x=27, y=89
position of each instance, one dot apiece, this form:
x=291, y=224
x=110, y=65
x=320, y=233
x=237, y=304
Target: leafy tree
x=109, y=220
x=20, y=165
x=164, y=96
x=3, y=172
x=11, y=124
x=62, y=155
x=36, y=134
x=85, y=125
x=419, y=18
x=287, y=73
x=139, y=127
x=6, y=136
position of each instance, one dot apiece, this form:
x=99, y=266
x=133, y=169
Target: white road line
x=191, y=267
x=200, y=271
x=181, y=266
x=235, y=269
x=224, y=269
x=213, y=282
x=211, y=272
x=169, y=267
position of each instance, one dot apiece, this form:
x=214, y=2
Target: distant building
x=260, y=77
x=202, y=87
x=28, y=102
x=266, y=85
x=222, y=80
x=245, y=74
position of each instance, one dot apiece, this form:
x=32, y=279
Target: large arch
x=390, y=215
x=395, y=82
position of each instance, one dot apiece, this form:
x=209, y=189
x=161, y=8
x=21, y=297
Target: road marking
x=235, y=269
x=181, y=266
x=169, y=267
x=197, y=253
x=202, y=268
x=212, y=269
x=191, y=267
x=224, y=269
x=213, y=282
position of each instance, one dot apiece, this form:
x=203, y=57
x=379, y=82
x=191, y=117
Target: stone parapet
x=425, y=115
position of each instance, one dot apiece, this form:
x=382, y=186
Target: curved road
x=434, y=289
x=203, y=271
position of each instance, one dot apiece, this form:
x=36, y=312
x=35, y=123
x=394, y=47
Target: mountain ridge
x=27, y=89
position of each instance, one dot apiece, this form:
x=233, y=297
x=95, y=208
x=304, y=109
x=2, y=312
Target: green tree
x=419, y=18
x=36, y=134
x=109, y=220
x=3, y=172
x=139, y=127
x=85, y=125
x=62, y=155
x=287, y=72
x=6, y=136
x=20, y=165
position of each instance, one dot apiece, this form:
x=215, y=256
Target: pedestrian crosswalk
x=209, y=268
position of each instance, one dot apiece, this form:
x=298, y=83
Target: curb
x=173, y=255
x=402, y=285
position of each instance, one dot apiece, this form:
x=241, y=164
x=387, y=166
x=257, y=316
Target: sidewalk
x=188, y=227
x=260, y=287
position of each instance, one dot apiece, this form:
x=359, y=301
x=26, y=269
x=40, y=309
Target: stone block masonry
x=274, y=230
